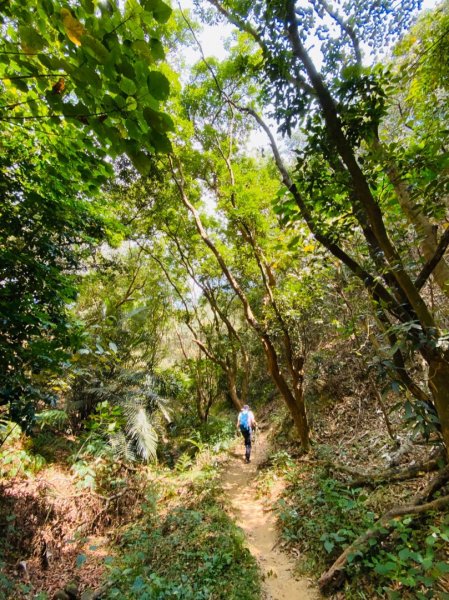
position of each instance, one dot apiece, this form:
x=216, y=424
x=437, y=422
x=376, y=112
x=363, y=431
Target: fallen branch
x=433, y=486
x=335, y=576
x=396, y=474
x=385, y=476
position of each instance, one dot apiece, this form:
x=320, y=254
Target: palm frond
x=135, y=391
x=141, y=431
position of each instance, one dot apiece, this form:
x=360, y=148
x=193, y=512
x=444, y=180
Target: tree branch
x=363, y=193
x=350, y=32
x=335, y=576
x=42, y=76
x=430, y=265
x=242, y=25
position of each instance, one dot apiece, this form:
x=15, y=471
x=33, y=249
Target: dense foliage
x=163, y=264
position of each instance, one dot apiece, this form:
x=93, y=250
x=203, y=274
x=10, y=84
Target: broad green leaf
x=158, y=85
x=141, y=161
x=131, y=103
x=30, y=40
x=158, y=120
x=95, y=48
x=161, y=142
x=144, y=49
x=127, y=86
x=160, y=10
x=157, y=49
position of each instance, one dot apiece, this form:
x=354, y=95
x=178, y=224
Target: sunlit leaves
x=73, y=28
x=107, y=59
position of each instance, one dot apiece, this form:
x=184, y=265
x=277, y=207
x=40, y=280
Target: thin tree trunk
x=244, y=392
x=425, y=229
x=439, y=386
x=199, y=402
x=232, y=387
x=297, y=410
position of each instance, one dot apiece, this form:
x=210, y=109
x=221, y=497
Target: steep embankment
x=258, y=522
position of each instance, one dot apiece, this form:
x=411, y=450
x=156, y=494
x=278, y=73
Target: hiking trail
x=259, y=525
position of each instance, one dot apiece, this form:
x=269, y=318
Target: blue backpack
x=244, y=420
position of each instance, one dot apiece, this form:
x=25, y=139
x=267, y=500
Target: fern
x=183, y=463
x=56, y=419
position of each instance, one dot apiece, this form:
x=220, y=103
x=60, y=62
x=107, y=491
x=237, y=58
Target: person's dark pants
x=247, y=437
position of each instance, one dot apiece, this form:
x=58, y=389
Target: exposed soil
x=254, y=516
x=43, y=545
x=54, y=533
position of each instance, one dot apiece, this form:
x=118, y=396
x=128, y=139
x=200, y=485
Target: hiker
x=246, y=423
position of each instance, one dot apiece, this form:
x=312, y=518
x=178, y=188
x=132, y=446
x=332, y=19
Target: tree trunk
x=199, y=404
x=245, y=377
x=423, y=227
x=295, y=402
x=439, y=386
x=232, y=387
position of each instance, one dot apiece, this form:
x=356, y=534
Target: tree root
x=421, y=503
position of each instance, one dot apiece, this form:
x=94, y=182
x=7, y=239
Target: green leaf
x=141, y=161
x=161, y=142
x=95, y=48
x=143, y=49
x=385, y=568
x=131, y=103
x=157, y=49
x=404, y=553
x=158, y=120
x=85, y=75
x=160, y=10
x=329, y=546
x=158, y=85
x=442, y=567
x=31, y=41
x=127, y=86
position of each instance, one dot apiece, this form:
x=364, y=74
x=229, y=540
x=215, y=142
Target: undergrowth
x=192, y=552
x=321, y=516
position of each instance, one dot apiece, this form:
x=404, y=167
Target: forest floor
x=44, y=546
x=254, y=514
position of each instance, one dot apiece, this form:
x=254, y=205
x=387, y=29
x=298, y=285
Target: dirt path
x=258, y=523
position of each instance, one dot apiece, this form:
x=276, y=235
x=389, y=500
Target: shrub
x=322, y=515
x=195, y=553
